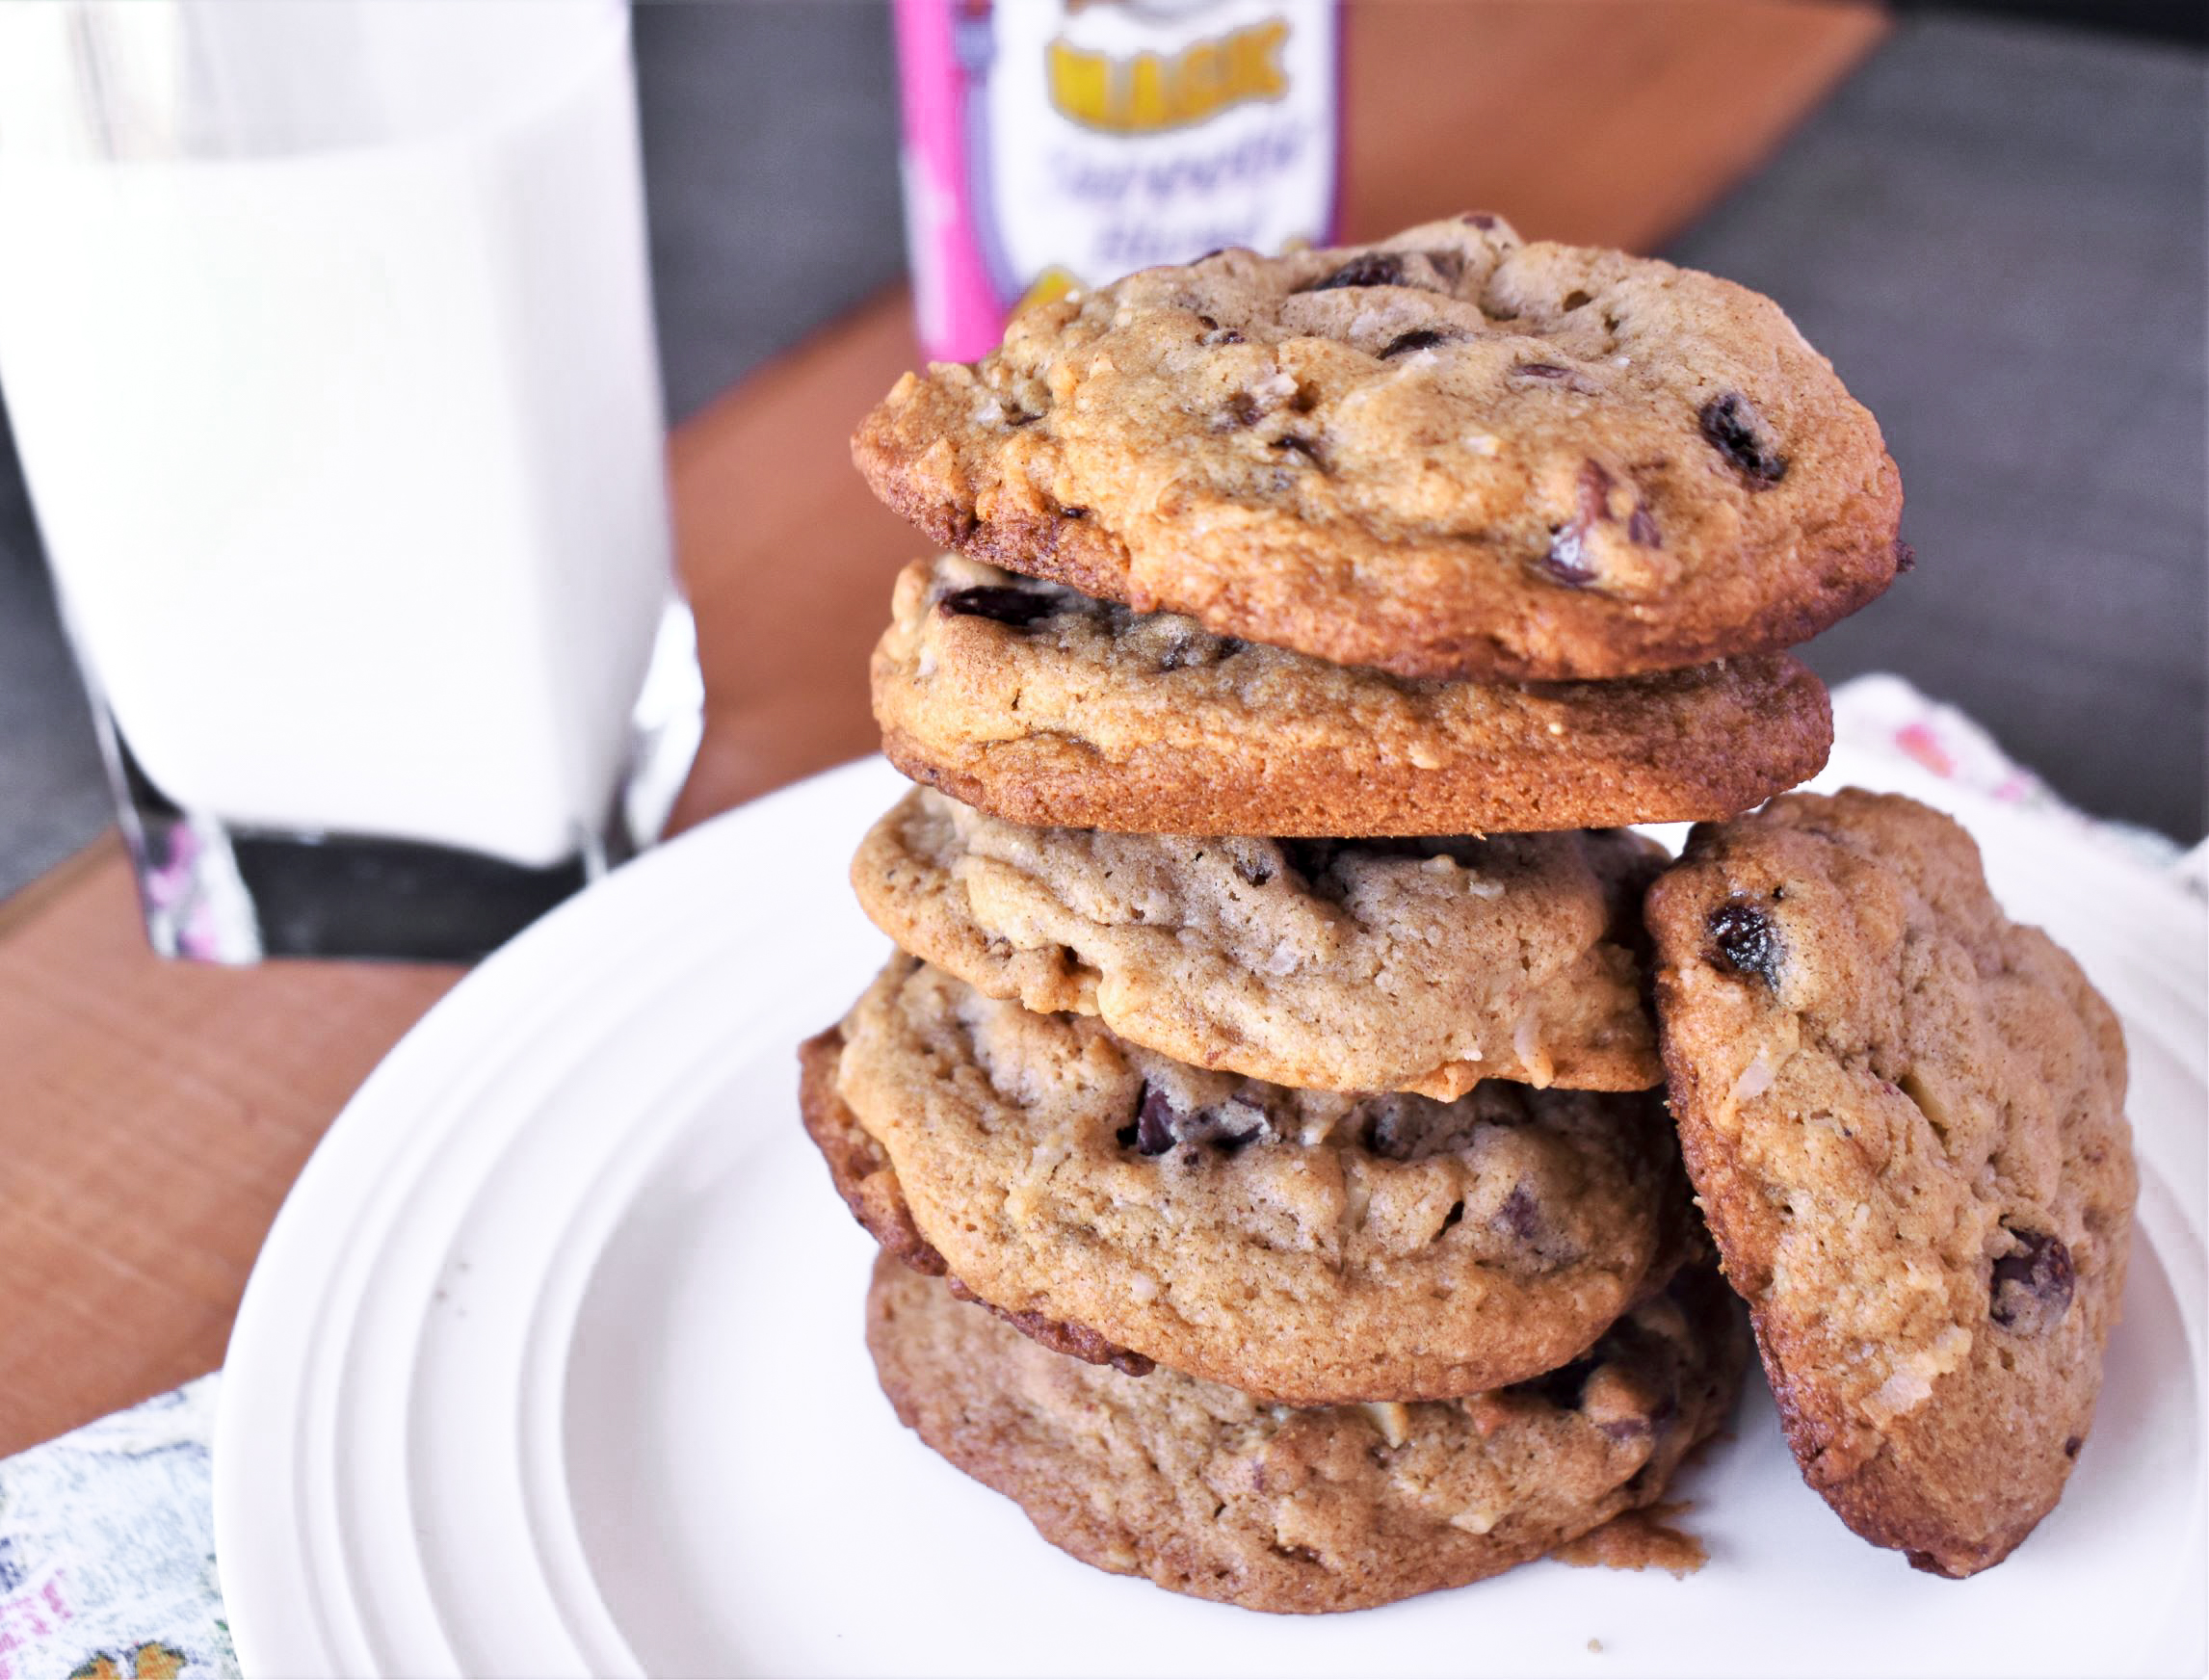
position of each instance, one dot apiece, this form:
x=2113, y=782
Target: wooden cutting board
x=152, y=1114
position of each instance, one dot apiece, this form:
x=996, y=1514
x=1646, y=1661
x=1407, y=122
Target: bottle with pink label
x=1055, y=144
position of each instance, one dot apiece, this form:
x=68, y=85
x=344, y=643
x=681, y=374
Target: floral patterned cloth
x=1884, y=714
x=107, y=1550
x=107, y=1542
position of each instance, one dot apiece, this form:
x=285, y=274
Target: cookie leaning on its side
x=1209, y=1492
x=1449, y=454
x=1043, y=706
x=1904, y=1119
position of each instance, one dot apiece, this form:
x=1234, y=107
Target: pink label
x=1055, y=144
x=952, y=294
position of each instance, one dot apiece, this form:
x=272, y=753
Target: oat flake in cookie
x=1903, y=1117
x=1423, y=966
x=1306, y=1246
x=1451, y=453
x=1207, y=1492
x=1050, y=707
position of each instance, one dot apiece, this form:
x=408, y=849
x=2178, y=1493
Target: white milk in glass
x=348, y=458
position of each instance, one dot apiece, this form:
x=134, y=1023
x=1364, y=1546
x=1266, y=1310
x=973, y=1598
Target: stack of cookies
x=1264, y=1117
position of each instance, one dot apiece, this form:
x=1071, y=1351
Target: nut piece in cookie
x=1903, y=1115
x=1306, y=1246
x=1451, y=453
x=1424, y=965
x=1210, y=1492
x=1052, y=708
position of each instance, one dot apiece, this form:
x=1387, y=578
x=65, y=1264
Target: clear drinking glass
x=325, y=333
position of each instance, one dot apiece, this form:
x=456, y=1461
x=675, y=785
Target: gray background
x=1995, y=230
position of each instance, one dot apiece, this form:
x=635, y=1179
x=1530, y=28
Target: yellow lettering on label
x=1081, y=84
x=1254, y=61
x=1148, y=111
x=1202, y=81
x=1149, y=93
x=1053, y=284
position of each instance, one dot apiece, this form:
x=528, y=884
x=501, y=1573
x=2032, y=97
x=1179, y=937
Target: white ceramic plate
x=552, y=1363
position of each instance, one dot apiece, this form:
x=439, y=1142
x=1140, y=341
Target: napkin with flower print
x=107, y=1550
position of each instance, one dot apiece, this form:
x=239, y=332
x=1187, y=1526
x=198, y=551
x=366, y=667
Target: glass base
x=216, y=892
x=225, y=896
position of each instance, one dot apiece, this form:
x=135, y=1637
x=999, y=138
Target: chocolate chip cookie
x=1422, y=966
x=1903, y=1117
x=1306, y=1247
x=1047, y=706
x=1210, y=1492
x=1450, y=454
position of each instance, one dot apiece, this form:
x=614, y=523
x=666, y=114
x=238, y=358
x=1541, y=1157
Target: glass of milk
x=325, y=333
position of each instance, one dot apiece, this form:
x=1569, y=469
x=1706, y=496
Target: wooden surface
x=152, y=1114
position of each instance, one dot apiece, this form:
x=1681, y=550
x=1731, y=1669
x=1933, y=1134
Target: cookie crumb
x=1596, y=1646
x=1635, y=1540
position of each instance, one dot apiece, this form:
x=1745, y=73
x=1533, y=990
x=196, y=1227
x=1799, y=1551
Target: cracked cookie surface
x=1307, y=1247
x=1450, y=454
x=1207, y=1492
x=1050, y=707
x=1423, y=966
x=1903, y=1115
